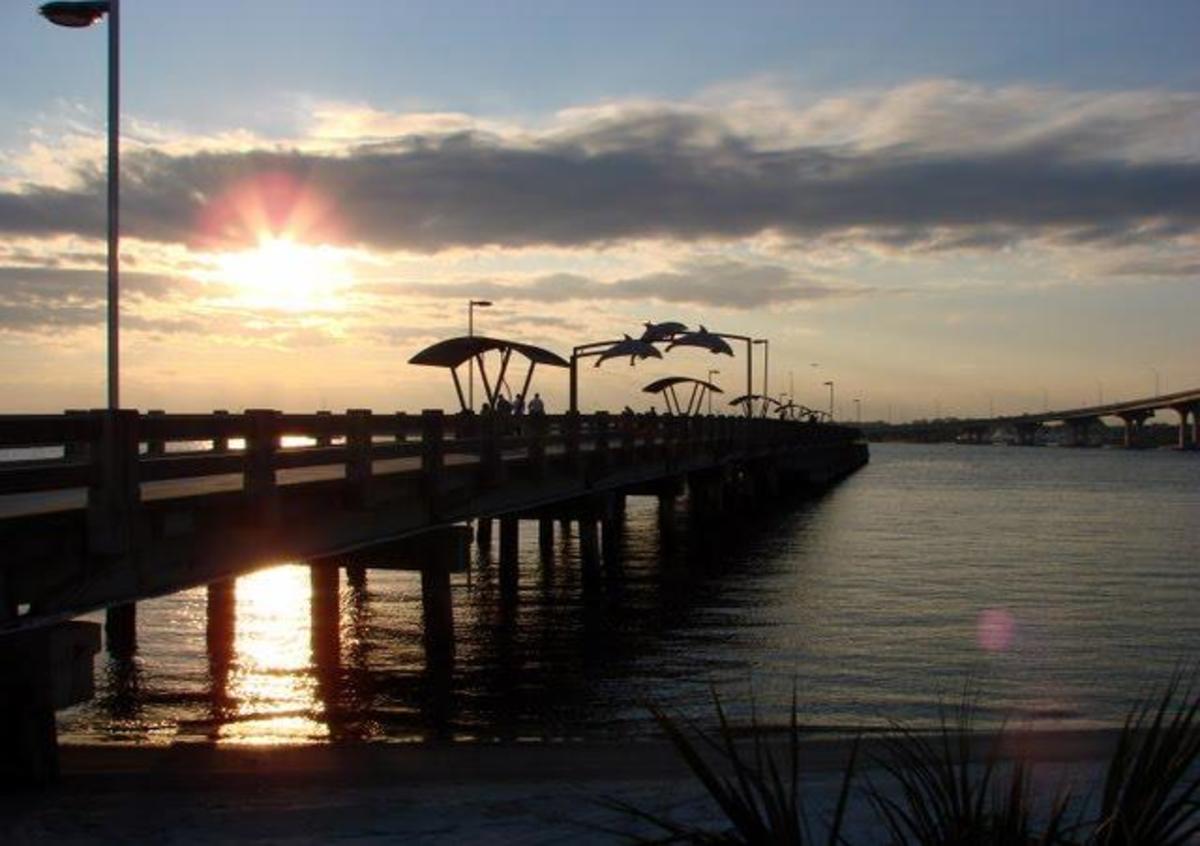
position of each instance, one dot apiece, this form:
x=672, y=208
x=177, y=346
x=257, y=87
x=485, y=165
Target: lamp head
x=481, y=303
x=74, y=14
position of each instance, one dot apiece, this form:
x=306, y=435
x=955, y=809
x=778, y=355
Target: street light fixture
x=77, y=15
x=471, y=306
x=858, y=409
x=711, y=374
x=830, y=385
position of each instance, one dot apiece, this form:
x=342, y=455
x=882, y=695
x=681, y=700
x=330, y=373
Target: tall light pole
x=858, y=409
x=83, y=14
x=711, y=374
x=830, y=385
x=471, y=306
x=766, y=345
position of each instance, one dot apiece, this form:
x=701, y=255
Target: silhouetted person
x=518, y=405
x=536, y=406
x=503, y=406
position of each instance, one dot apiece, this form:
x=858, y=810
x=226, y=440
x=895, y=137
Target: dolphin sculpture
x=662, y=331
x=631, y=347
x=703, y=339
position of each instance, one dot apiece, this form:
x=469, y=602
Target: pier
x=141, y=505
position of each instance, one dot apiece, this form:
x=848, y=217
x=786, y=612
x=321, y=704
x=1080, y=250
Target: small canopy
x=667, y=386
x=456, y=351
x=752, y=398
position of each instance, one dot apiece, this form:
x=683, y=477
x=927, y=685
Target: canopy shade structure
x=750, y=399
x=667, y=386
x=714, y=342
x=454, y=352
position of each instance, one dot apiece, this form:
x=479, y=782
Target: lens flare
x=996, y=630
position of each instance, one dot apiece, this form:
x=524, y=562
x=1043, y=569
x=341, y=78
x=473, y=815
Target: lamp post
x=766, y=345
x=77, y=15
x=829, y=384
x=711, y=374
x=858, y=410
x=471, y=306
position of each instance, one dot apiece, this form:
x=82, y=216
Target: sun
x=283, y=274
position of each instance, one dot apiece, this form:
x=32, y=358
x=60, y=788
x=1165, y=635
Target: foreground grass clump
x=936, y=790
x=759, y=796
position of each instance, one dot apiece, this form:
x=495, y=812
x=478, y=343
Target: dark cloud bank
x=644, y=176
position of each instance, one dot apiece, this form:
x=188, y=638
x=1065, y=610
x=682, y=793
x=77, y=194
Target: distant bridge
x=1078, y=421
x=140, y=505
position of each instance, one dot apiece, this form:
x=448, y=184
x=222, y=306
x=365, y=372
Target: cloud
x=933, y=163
x=723, y=284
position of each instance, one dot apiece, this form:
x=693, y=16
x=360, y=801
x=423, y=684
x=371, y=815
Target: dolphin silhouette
x=703, y=339
x=631, y=347
x=662, y=331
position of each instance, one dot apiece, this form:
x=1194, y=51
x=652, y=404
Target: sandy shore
x=419, y=793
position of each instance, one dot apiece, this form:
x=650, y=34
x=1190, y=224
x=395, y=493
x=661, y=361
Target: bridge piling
x=220, y=616
x=325, y=612
x=437, y=614
x=509, y=545
x=546, y=538
x=40, y=671
x=483, y=532
x=120, y=630
x=589, y=551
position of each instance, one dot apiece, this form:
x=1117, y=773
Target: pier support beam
x=437, y=614
x=326, y=615
x=589, y=551
x=1184, y=442
x=1133, y=427
x=509, y=543
x=483, y=532
x=221, y=617
x=546, y=538
x=40, y=671
x=120, y=630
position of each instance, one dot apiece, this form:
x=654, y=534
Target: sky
x=946, y=208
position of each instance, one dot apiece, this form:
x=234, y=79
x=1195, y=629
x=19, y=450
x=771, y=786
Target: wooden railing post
x=573, y=426
x=324, y=428
x=114, y=494
x=220, y=443
x=76, y=450
x=600, y=458
x=491, y=431
x=535, y=426
x=156, y=446
x=401, y=427
x=433, y=457
x=358, y=457
x=258, y=477
x=628, y=424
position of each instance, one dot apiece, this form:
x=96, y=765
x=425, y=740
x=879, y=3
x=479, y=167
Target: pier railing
x=95, y=449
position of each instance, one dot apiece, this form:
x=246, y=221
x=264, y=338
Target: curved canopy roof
x=660, y=385
x=454, y=351
x=752, y=398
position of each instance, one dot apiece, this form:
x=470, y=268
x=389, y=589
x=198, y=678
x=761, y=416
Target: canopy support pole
x=674, y=396
x=487, y=388
x=504, y=357
x=528, y=379
x=692, y=398
x=458, y=388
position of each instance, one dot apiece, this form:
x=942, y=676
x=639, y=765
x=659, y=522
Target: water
x=1061, y=584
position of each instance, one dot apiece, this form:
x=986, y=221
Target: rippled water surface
x=1060, y=583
